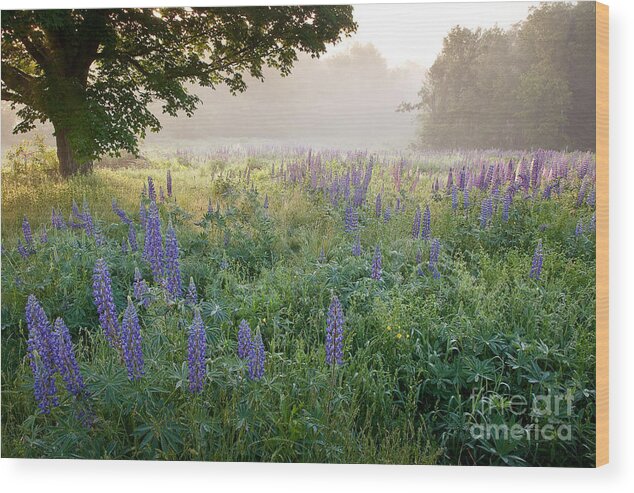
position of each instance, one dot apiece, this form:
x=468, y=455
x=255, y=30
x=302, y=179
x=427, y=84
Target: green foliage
x=528, y=87
x=425, y=360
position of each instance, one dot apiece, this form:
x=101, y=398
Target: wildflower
x=416, y=225
x=57, y=220
x=151, y=190
x=43, y=237
x=141, y=289
x=131, y=342
x=169, y=183
x=351, y=219
x=591, y=198
x=434, y=251
x=22, y=250
x=387, y=214
x=506, y=205
x=322, y=256
x=134, y=246
x=454, y=197
x=197, y=354
x=426, y=231
x=579, y=228
x=124, y=246
x=153, y=247
x=376, y=264
x=104, y=301
x=66, y=362
x=465, y=198
x=256, y=358
x=191, y=298
x=28, y=235
x=486, y=212
x=244, y=339
x=419, y=256
x=172, y=267
x=450, y=184
x=538, y=259
x=121, y=213
x=356, y=247
x=42, y=352
x=143, y=215
x=88, y=224
x=224, y=265
x=334, y=333
x=377, y=206
x=582, y=192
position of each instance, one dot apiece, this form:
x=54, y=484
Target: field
x=414, y=308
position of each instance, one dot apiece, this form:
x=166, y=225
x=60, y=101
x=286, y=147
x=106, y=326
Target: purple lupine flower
x=104, y=301
x=334, y=333
x=506, y=205
x=43, y=236
x=256, y=358
x=120, y=212
x=486, y=212
x=153, y=247
x=377, y=264
x=141, y=289
x=419, y=256
x=65, y=359
x=416, y=225
x=172, y=267
x=582, y=192
x=224, y=265
x=387, y=214
x=426, y=230
x=42, y=350
x=57, y=221
x=151, y=189
x=131, y=343
x=124, y=246
x=579, y=228
x=22, y=250
x=134, y=246
x=454, y=197
x=28, y=235
x=169, y=183
x=465, y=198
x=592, y=223
x=88, y=224
x=538, y=260
x=356, y=247
x=450, y=180
x=244, y=339
x=191, y=298
x=377, y=205
x=197, y=354
x=351, y=219
x=143, y=215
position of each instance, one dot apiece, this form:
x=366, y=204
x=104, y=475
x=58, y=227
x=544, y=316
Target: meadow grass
x=426, y=359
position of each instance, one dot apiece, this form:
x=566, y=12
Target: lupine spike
x=104, y=301
x=244, y=339
x=356, y=247
x=131, y=343
x=334, y=333
x=134, y=246
x=42, y=350
x=256, y=358
x=151, y=190
x=416, y=225
x=426, y=230
x=66, y=361
x=153, y=247
x=141, y=289
x=192, y=295
x=538, y=260
x=28, y=235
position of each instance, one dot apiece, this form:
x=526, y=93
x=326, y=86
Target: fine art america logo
x=516, y=417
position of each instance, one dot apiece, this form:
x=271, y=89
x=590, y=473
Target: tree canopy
x=527, y=87
x=93, y=73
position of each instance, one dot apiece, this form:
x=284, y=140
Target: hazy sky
x=414, y=32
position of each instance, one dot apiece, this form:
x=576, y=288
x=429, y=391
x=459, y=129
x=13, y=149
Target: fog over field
x=347, y=98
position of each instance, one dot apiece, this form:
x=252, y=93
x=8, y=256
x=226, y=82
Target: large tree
x=93, y=73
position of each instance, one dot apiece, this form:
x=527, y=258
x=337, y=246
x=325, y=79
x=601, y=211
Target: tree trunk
x=68, y=163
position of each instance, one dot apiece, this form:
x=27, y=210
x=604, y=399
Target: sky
x=414, y=32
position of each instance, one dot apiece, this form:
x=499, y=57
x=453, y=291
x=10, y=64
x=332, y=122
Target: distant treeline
x=527, y=87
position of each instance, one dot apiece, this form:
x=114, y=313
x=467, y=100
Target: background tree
x=527, y=87
x=93, y=73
